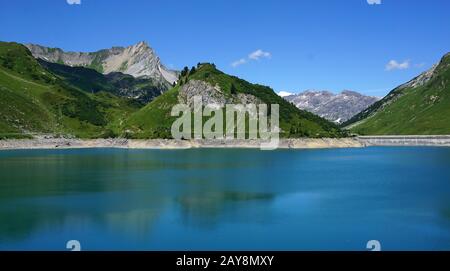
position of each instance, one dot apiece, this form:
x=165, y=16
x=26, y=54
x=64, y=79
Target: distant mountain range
x=418, y=107
x=333, y=107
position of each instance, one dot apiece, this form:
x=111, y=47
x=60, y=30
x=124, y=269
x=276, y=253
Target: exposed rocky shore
x=301, y=143
x=64, y=143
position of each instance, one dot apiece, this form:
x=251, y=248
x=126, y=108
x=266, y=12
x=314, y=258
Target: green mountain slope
x=34, y=100
x=141, y=89
x=419, y=107
x=154, y=120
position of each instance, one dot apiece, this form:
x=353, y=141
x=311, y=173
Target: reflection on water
x=225, y=199
x=206, y=207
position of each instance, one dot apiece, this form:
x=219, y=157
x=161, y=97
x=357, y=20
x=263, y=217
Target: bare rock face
x=420, y=80
x=57, y=55
x=212, y=95
x=334, y=107
x=138, y=60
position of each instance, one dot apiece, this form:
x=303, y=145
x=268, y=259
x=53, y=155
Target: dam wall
x=409, y=140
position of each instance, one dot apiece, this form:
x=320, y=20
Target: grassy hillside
x=92, y=81
x=423, y=109
x=154, y=120
x=34, y=100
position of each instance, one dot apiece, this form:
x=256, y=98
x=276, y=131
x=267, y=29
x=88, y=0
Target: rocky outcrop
x=420, y=80
x=57, y=55
x=138, y=60
x=334, y=107
x=212, y=95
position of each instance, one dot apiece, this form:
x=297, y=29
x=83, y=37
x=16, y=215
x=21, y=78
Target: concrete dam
x=407, y=140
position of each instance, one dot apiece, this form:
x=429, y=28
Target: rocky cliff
x=138, y=60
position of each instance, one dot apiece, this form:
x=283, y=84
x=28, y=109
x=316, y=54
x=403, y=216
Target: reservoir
x=226, y=199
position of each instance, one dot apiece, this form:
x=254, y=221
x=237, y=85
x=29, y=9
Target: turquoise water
x=225, y=199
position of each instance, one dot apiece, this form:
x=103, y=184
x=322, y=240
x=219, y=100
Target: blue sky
x=296, y=45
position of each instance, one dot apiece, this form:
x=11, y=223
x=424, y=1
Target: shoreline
x=64, y=143
x=168, y=144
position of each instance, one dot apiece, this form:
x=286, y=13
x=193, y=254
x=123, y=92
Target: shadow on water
x=206, y=208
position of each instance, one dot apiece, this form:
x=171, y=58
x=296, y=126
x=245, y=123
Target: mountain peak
x=334, y=107
x=138, y=60
x=142, y=45
x=316, y=92
x=351, y=93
